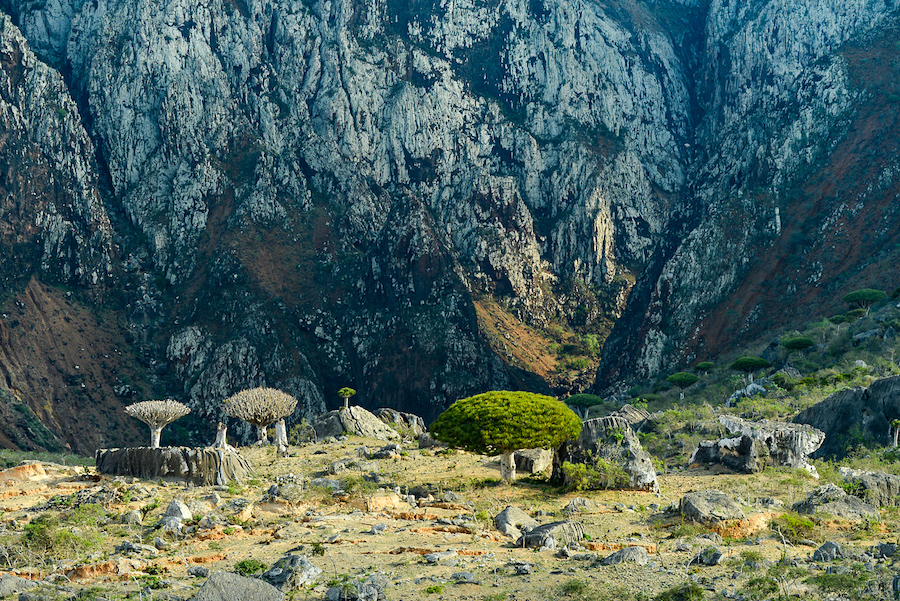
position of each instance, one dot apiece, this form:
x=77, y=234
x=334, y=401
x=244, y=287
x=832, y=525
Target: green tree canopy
x=683, y=379
x=346, y=393
x=797, y=343
x=750, y=364
x=503, y=422
x=704, y=366
x=864, y=298
x=583, y=400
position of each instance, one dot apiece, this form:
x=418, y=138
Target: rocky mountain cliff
x=416, y=198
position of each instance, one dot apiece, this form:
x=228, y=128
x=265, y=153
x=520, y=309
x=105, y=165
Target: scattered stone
x=427, y=441
x=752, y=389
x=637, y=555
x=563, y=533
x=379, y=528
x=391, y=451
x=178, y=509
x=521, y=568
x=371, y=590
x=291, y=572
x=884, y=550
x=612, y=440
x=128, y=548
x=580, y=505
x=512, y=521
x=533, y=461
x=710, y=508
x=160, y=544
x=833, y=500
x=325, y=483
x=406, y=423
x=198, y=571
x=463, y=578
x=226, y=586
x=442, y=557
x=133, y=518
x=710, y=556
x=12, y=585
x=828, y=552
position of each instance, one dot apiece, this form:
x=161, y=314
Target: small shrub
x=689, y=591
x=600, y=475
x=248, y=567
x=434, y=589
x=574, y=587
x=793, y=527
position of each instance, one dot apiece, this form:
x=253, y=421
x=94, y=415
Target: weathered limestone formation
x=407, y=422
x=833, y=500
x=353, y=420
x=613, y=440
x=203, y=467
x=759, y=444
x=711, y=508
x=877, y=488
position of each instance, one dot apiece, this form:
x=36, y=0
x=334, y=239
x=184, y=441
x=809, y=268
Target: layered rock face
x=327, y=193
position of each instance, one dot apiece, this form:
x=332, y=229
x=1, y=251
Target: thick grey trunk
x=896, y=432
x=261, y=435
x=346, y=402
x=154, y=437
x=508, y=467
x=281, y=440
x=221, y=432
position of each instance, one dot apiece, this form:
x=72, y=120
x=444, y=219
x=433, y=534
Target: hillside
x=422, y=200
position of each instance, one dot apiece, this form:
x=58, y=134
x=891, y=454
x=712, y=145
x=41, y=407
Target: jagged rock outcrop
x=201, y=467
x=712, y=508
x=761, y=444
x=876, y=488
x=832, y=500
x=352, y=420
x=610, y=439
x=854, y=416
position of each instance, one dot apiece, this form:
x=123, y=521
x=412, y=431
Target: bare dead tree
x=157, y=415
x=260, y=407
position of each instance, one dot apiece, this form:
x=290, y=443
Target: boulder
x=833, y=500
x=226, y=586
x=512, y=521
x=828, y=552
x=759, y=444
x=201, y=467
x=710, y=556
x=637, y=555
x=846, y=413
x=877, y=488
x=613, y=440
x=533, y=461
x=711, y=508
x=633, y=415
x=752, y=389
x=178, y=509
x=562, y=533
x=407, y=423
x=13, y=585
x=291, y=572
x=353, y=420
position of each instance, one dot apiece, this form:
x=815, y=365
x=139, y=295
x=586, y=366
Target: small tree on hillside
x=260, y=407
x=157, y=415
x=864, y=298
x=345, y=393
x=704, y=366
x=682, y=380
x=581, y=403
x=504, y=422
x=797, y=343
x=749, y=365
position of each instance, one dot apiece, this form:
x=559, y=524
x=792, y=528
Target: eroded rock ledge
x=202, y=467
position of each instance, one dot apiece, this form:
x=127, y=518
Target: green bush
x=599, y=475
x=793, y=527
x=689, y=591
x=248, y=567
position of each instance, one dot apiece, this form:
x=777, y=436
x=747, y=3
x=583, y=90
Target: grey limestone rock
x=759, y=444
x=611, y=439
x=710, y=508
x=203, y=467
x=829, y=551
x=178, y=509
x=11, y=584
x=564, y=533
x=878, y=488
x=512, y=521
x=636, y=555
x=226, y=586
x=291, y=572
x=833, y=500
x=354, y=420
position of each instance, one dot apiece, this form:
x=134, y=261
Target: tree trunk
x=346, y=402
x=154, y=437
x=262, y=437
x=281, y=440
x=896, y=432
x=508, y=467
x=221, y=431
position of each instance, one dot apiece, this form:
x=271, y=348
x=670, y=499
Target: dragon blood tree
x=260, y=407
x=502, y=422
x=157, y=415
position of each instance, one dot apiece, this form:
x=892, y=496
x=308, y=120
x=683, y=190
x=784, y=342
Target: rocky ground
x=85, y=536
